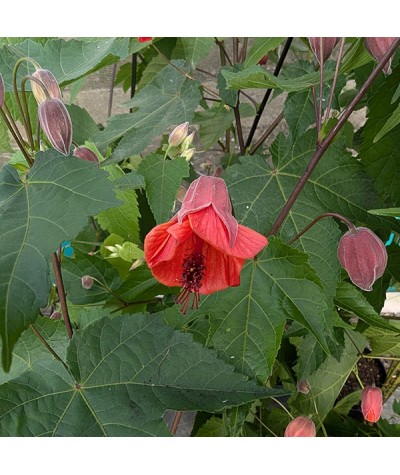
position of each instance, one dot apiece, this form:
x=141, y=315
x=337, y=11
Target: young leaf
x=259, y=48
x=36, y=215
x=137, y=369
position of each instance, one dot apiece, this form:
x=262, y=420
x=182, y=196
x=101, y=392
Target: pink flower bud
x=85, y=154
x=2, y=89
x=263, y=60
x=50, y=83
x=55, y=316
x=87, y=282
x=371, y=403
x=56, y=124
x=328, y=43
x=303, y=386
x=144, y=39
x=301, y=427
x=363, y=255
x=377, y=48
x=178, y=135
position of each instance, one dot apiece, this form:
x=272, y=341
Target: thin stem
x=42, y=339
x=12, y=122
x=317, y=117
x=243, y=52
x=133, y=76
x=339, y=58
x=111, y=90
x=239, y=129
x=206, y=72
x=389, y=358
x=61, y=293
x=235, y=49
x=206, y=88
x=346, y=221
x=249, y=98
x=27, y=116
x=355, y=372
x=176, y=421
x=228, y=141
x=223, y=51
x=265, y=426
x=266, y=134
x=268, y=93
x=282, y=406
x=321, y=149
x=321, y=82
x=212, y=99
x=21, y=146
x=320, y=420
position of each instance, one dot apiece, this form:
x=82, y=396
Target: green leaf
x=350, y=299
x=29, y=349
x=310, y=357
x=256, y=77
x=355, y=57
x=329, y=379
x=393, y=212
x=83, y=126
x=214, y=427
x=227, y=95
x=390, y=124
x=123, y=220
x=170, y=98
x=68, y=60
x=193, y=50
x=162, y=180
x=384, y=342
x=106, y=278
x=5, y=146
x=247, y=322
x=344, y=405
x=259, y=48
x=137, y=369
x=52, y=205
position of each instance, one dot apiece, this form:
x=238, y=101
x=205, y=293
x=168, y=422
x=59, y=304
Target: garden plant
x=206, y=263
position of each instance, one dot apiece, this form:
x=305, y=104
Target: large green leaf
x=246, y=322
x=162, y=180
x=384, y=342
x=381, y=157
x=5, y=145
x=169, y=99
x=259, y=48
x=193, y=50
x=329, y=379
x=138, y=368
x=68, y=60
x=52, y=204
x=256, y=77
x=83, y=125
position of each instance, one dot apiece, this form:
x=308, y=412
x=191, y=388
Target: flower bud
x=371, y=403
x=328, y=43
x=87, y=282
x=363, y=255
x=2, y=89
x=188, y=154
x=303, y=386
x=55, y=316
x=50, y=83
x=263, y=60
x=178, y=135
x=85, y=154
x=187, y=142
x=377, y=48
x=144, y=39
x=301, y=427
x=56, y=124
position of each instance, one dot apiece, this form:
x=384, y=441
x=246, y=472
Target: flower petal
x=221, y=271
x=209, y=227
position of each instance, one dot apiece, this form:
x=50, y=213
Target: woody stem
x=323, y=146
x=346, y=221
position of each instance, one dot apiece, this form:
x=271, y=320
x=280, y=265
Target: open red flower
x=202, y=248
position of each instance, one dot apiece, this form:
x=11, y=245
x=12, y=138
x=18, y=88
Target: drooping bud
x=303, y=386
x=301, y=427
x=55, y=316
x=263, y=60
x=85, y=154
x=377, y=47
x=328, y=43
x=56, y=124
x=87, y=282
x=2, y=89
x=206, y=191
x=371, y=403
x=188, y=154
x=50, y=83
x=144, y=39
x=178, y=135
x=363, y=255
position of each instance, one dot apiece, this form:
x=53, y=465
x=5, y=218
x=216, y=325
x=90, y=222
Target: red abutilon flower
x=371, y=403
x=202, y=248
x=363, y=255
x=328, y=43
x=377, y=48
x=143, y=39
x=301, y=427
x=263, y=60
